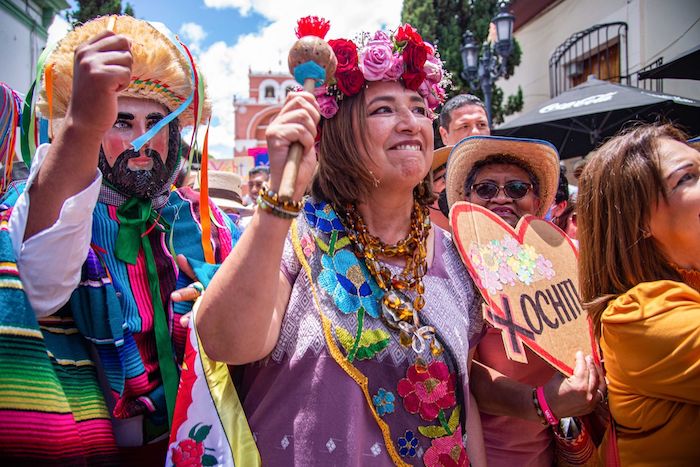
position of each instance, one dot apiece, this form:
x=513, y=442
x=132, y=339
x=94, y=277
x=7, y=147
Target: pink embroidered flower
x=308, y=245
x=447, y=451
x=428, y=390
x=188, y=453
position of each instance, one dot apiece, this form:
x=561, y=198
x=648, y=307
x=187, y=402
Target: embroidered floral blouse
x=339, y=388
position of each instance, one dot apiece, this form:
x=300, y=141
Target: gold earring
x=374, y=179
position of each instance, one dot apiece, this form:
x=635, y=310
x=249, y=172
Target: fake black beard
x=146, y=184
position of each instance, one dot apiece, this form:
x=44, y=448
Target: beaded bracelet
x=275, y=210
x=536, y=403
x=281, y=202
x=548, y=414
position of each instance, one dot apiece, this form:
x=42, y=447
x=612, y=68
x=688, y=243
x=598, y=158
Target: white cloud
x=243, y=5
x=226, y=66
x=59, y=28
x=193, y=34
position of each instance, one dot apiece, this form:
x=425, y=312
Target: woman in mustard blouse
x=639, y=234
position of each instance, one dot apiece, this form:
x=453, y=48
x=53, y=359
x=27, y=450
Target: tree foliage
x=443, y=23
x=89, y=9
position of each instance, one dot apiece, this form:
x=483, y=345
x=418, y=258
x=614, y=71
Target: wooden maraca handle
x=291, y=166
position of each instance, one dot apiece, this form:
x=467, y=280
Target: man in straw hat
x=516, y=177
x=117, y=93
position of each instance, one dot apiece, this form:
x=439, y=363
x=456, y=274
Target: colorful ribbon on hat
x=9, y=118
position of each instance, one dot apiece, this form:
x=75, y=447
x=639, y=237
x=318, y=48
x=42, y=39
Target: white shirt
x=50, y=262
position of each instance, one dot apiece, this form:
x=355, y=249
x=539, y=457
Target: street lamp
x=483, y=70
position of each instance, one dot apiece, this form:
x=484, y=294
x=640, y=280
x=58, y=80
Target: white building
x=614, y=39
x=23, y=32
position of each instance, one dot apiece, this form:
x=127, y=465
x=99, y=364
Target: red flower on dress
x=346, y=53
x=447, y=451
x=188, y=453
x=428, y=390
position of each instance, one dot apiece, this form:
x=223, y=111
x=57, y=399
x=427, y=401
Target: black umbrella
x=578, y=120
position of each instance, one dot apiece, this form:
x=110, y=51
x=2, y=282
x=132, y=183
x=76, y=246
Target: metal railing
x=600, y=50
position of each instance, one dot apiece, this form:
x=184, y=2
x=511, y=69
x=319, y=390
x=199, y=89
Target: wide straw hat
x=160, y=72
x=225, y=191
x=539, y=156
x=440, y=157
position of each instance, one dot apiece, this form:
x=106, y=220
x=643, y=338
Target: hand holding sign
x=528, y=279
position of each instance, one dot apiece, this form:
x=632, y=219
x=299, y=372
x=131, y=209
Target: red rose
x=346, y=53
x=413, y=81
x=350, y=82
x=188, y=453
x=414, y=57
x=408, y=33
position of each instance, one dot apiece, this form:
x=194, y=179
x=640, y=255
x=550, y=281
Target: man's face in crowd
x=255, y=184
x=145, y=173
x=468, y=120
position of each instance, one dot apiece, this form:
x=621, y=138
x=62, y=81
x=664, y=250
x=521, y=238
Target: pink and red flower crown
x=402, y=56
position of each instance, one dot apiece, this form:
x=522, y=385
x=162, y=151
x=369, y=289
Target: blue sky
x=229, y=37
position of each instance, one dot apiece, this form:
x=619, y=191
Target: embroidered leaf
x=345, y=338
x=454, y=419
x=342, y=243
x=372, y=341
x=193, y=430
x=433, y=432
x=321, y=244
x=208, y=459
x=201, y=433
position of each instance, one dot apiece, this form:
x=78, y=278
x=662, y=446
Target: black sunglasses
x=514, y=189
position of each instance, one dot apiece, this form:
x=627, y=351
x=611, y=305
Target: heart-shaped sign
x=529, y=280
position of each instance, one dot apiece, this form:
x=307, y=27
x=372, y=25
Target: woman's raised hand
x=578, y=394
x=296, y=122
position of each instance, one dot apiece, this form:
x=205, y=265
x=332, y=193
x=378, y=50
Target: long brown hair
x=618, y=190
x=342, y=177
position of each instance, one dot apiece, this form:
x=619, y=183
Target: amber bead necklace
x=398, y=310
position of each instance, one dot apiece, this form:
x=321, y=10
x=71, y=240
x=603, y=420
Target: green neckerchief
x=136, y=218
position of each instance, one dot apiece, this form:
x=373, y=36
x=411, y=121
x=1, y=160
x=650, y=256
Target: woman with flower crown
x=350, y=317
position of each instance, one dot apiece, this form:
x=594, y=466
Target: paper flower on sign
x=503, y=262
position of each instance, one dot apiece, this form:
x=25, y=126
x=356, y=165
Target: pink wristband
x=548, y=414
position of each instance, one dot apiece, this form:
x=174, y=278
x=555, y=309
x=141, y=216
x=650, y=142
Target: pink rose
x=381, y=36
x=376, y=59
x=433, y=69
x=432, y=93
x=394, y=72
x=328, y=105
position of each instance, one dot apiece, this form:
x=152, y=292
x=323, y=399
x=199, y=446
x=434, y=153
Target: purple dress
x=339, y=388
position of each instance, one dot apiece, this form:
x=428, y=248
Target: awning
x=685, y=66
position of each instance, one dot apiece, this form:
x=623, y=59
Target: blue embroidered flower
x=408, y=444
x=350, y=284
x=322, y=217
x=383, y=402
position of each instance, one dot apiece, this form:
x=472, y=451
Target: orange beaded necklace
x=399, y=312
